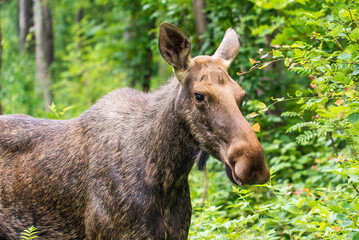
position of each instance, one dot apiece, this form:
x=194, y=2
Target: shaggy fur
x=120, y=170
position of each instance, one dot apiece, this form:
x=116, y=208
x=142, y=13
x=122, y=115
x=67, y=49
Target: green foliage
x=55, y=114
x=16, y=96
x=314, y=192
x=29, y=233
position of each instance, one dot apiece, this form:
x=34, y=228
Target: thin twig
x=205, y=191
x=337, y=154
x=333, y=143
x=351, y=17
x=334, y=38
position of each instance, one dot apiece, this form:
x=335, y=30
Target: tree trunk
x=48, y=34
x=79, y=15
x=43, y=49
x=200, y=19
x=25, y=15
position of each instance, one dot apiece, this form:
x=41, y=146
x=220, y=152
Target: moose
x=120, y=170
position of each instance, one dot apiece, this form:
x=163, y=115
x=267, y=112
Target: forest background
x=298, y=62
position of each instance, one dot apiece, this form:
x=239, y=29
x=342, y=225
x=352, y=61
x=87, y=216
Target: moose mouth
x=253, y=178
x=230, y=174
x=202, y=159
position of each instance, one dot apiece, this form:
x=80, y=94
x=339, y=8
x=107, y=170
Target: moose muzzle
x=244, y=158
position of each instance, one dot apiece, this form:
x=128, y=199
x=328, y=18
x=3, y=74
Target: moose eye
x=199, y=97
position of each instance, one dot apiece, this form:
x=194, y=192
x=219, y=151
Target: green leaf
x=340, y=77
x=298, y=93
x=353, y=118
x=301, y=101
x=350, y=93
x=356, y=204
x=346, y=223
x=292, y=209
x=277, y=54
x=298, y=53
x=336, y=30
x=331, y=218
x=261, y=105
x=287, y=61
x=356, y=69
x=345, y=56
x=354, y=35
x=290, y=114
x=301, y=202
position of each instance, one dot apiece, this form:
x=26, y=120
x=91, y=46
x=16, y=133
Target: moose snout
x=250, y=173
x=246, y=165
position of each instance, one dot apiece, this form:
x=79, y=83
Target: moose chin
x=120, y=169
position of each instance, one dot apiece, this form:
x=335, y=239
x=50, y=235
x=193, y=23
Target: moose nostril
x=246, y=163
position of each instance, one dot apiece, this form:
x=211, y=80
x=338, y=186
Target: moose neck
x=171, y=145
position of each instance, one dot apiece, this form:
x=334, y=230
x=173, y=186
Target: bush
x=313, y=192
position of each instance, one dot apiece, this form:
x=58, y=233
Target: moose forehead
x=210, y=73
x=210, y=69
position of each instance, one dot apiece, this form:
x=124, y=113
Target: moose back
x=120, y=170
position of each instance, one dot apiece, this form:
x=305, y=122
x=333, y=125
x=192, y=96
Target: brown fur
x=120, y=170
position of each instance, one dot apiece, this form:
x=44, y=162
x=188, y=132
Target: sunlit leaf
x=340, y=77
x=277, y=54
x=253, y=61
x=354, y=34
x=298, y=93
x=287, y=61
x=345, y=56
x=256, y=127
x=301, y=101
x=350, y=93
x=261, y=105
x=252, y=115
x=301, y=202
x=264, y=65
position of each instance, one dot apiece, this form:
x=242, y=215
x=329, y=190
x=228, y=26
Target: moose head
x=211, y=102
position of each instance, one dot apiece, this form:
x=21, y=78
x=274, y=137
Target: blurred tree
x=48, y=34
x=79, y=15
x=138, y=37
x=25, y=21
x=44, y=48
x=200, y=20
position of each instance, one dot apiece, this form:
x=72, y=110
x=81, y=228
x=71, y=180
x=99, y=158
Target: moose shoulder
x=120, y=170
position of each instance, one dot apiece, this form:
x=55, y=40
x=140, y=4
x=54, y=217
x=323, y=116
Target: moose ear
x=228, y=49
x=174, y=46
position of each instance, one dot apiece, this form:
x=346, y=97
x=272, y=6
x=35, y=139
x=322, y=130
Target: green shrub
x=313, y=194
x=29, y=233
